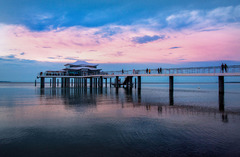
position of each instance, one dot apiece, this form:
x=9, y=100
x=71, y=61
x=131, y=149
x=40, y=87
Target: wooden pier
x=97, y=80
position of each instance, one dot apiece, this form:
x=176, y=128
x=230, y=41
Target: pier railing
x=187, y=70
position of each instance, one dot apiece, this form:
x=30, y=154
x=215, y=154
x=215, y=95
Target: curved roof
x=81, y=63
x=80, y=68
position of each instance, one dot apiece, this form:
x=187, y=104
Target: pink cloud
x=78, y=42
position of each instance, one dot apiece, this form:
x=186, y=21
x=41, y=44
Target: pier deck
x=97, y=80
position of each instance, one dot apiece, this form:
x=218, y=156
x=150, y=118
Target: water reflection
x=122, y=122
x=129, y=97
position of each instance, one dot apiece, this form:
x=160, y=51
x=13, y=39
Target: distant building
x=78, y=68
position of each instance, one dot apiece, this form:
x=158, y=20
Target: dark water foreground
x=193, y=121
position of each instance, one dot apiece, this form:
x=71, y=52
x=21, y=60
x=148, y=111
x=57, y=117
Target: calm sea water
x=194, y=120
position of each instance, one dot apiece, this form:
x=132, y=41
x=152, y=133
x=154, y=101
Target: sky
x=44, y=35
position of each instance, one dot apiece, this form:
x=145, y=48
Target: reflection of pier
x=97, y=80
x=128, y=98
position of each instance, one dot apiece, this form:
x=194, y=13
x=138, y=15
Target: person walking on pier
x=222, y=68
x=226, y=68
x=122, y=71
x=147, y=70
x=160, y=70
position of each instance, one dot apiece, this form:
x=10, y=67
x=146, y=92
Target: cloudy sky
x=37, y=35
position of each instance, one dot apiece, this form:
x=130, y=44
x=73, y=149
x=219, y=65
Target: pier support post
x=80, y=82
x=139, y=82
x=42, y=82
x=85, y=82
x=117, y=81
x=130, y=81
x=67, y=82
x=135, y=82
x=71, y=82
x=57, y=82
x=170, y=83
x=110, y=82
x=50, y=82
x=221, y=102
x=90, y=82
x=106, y=82
x=101, y=81
x=221, y=84
x=96, y=80
x=35, y=83
x=54, y=82
x=62, y=83
x=77, y=82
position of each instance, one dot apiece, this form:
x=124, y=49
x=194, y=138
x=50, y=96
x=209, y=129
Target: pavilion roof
x=80, y=68
x=81, y=63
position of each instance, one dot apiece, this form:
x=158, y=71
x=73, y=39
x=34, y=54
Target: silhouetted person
x=147, y=70
x=160, y=70
x=222, y=68
x=226, y=68
x=122, y=71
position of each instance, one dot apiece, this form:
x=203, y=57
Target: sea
x=193, y=120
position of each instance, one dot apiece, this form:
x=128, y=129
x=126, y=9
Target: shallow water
x=194, y=120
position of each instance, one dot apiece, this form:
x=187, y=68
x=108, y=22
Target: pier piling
x=221, y=84
x=57, y=82
x=139, y=82
x=110, y=82
x=101, y=81
x=90, y=82
x=42, y=82
x=54, y=82
x=135, y=82
x=117, y=77
x=106, y=82
x=170, y=83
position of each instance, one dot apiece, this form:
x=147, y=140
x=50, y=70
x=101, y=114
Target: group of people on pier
x=148, y=71
x=224, y=67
